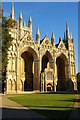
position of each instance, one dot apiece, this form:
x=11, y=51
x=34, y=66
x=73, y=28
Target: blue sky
x=49, y=17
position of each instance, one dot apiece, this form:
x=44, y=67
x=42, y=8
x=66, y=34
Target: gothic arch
x=29, y=66
x=49, y=87
x=46, y=58
x=62, y=55
x=31, y=50
x=49, y=55
x=62, y=71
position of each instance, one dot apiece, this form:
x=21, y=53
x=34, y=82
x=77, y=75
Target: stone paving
x=12, y=110
x=75, y=114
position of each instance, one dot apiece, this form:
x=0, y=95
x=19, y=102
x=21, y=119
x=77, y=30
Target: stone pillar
x=75, y=85
x=55, y=83
x=36, y=81
x=45, y=83
x=42, y=82
x=55, y=75
x=17, y=71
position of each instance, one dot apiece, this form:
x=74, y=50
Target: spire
x=67, y=31
x=38, y=36
x=30, y=22
x=37, y=31
x=12, y=11
x=20, y=21
x=53, y=39
x=30, y=19
x=67, y=28
x=20, y=17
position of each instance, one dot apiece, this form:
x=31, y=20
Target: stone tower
x=41, y=65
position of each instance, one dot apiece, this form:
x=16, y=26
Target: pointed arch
x=46, y=58
x=49, y=87
x=62, y=71
x=31, y=50
x=49, y=55
x=63, y=56
x=30, y=64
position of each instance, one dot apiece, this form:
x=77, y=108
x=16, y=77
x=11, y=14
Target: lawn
x=54, y=106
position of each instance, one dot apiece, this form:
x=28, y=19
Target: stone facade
x=41, y=65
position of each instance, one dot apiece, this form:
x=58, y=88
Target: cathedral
x=39, y=66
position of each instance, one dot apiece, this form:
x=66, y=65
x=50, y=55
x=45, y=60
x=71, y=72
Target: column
x=36, y=84
x=55, y=75
x=55, y=82
x=17, y=71
x=45, y=78
x=42, y=82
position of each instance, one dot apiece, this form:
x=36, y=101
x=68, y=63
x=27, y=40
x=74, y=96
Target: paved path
x=75, y=114
x=12, y=110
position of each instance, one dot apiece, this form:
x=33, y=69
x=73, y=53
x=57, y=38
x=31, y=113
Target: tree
x=78, y=81
x=78, y=76
x=7, y=23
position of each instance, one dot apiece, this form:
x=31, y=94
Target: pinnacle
x=38, y=31
x=20, y=15
x=30, y=19
x=53, y=35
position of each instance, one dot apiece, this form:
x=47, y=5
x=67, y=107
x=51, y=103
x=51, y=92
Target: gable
x=26, y=40
x=46, y=41
x=61, y=45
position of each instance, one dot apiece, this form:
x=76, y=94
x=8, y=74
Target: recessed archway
x=49, y=87
x=62, y=64
x=47, y=57
x=28, y=65
x=28, y=70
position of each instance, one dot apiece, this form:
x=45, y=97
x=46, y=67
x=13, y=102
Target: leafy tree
x=78, y=76
x=7, y=23
x=78, y=81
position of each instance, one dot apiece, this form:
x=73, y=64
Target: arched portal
x=62, y=69
x=28, y=70
x=49, y=87
x=45, y=59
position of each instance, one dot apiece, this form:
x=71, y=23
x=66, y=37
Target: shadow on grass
x=61, y=92
x=21, y=114
x=55, y=114
x=49, y=107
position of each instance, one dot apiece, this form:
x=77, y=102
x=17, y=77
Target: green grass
x=54, y=106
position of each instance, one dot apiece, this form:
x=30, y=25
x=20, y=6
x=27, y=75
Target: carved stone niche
x=47, y=77
x=48, y=72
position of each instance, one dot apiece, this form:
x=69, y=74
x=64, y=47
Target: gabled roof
x=61, y=44
x=45, y=40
